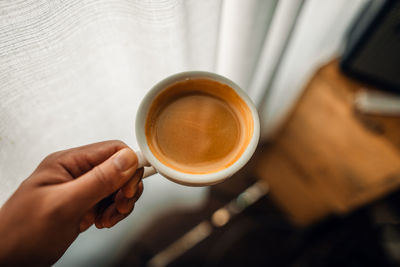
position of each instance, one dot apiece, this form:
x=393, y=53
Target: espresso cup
x=196, y=128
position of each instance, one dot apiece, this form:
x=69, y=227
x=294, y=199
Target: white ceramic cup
x=147, y=158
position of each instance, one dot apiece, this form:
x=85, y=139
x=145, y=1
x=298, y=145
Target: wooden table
x=327, y=158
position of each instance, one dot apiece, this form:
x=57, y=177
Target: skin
x=68, y=192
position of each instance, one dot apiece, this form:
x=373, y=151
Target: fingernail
x=125, y=159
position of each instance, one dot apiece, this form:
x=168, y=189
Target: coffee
x=198, y=126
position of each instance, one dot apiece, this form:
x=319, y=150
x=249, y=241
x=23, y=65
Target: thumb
x=105, y=178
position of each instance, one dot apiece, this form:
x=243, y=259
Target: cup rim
x=188, y=178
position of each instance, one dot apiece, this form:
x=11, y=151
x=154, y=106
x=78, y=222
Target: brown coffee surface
x=195, y=128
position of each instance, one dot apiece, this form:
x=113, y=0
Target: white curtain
x=73, y=72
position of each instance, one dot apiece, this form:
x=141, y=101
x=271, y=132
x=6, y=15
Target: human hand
x=68, y=192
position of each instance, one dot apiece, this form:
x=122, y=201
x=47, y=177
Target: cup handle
x=143, y=163
x=149, y=171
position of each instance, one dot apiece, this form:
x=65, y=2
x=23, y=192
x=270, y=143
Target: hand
x=68, y=192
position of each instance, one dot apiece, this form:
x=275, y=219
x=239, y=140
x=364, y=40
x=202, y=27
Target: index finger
x=79, y=160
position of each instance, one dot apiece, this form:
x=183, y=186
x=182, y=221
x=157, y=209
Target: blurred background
x=321, y=188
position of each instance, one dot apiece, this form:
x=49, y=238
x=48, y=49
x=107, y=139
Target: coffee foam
x=198, y=126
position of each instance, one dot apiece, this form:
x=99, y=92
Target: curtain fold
x=317, y=37
x=243, y=30
x=271, y=55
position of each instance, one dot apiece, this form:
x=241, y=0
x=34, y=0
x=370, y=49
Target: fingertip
x=129, y=189
x=125, y=159
x=125, y=205
x=107, y=214
x=139, y=191
x=98, y=224
x=120, y=200
x=117, y=218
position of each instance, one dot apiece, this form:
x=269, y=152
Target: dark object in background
x=262, y=236
x=372, y=52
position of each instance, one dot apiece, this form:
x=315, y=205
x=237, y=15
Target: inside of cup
x=198, y=126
